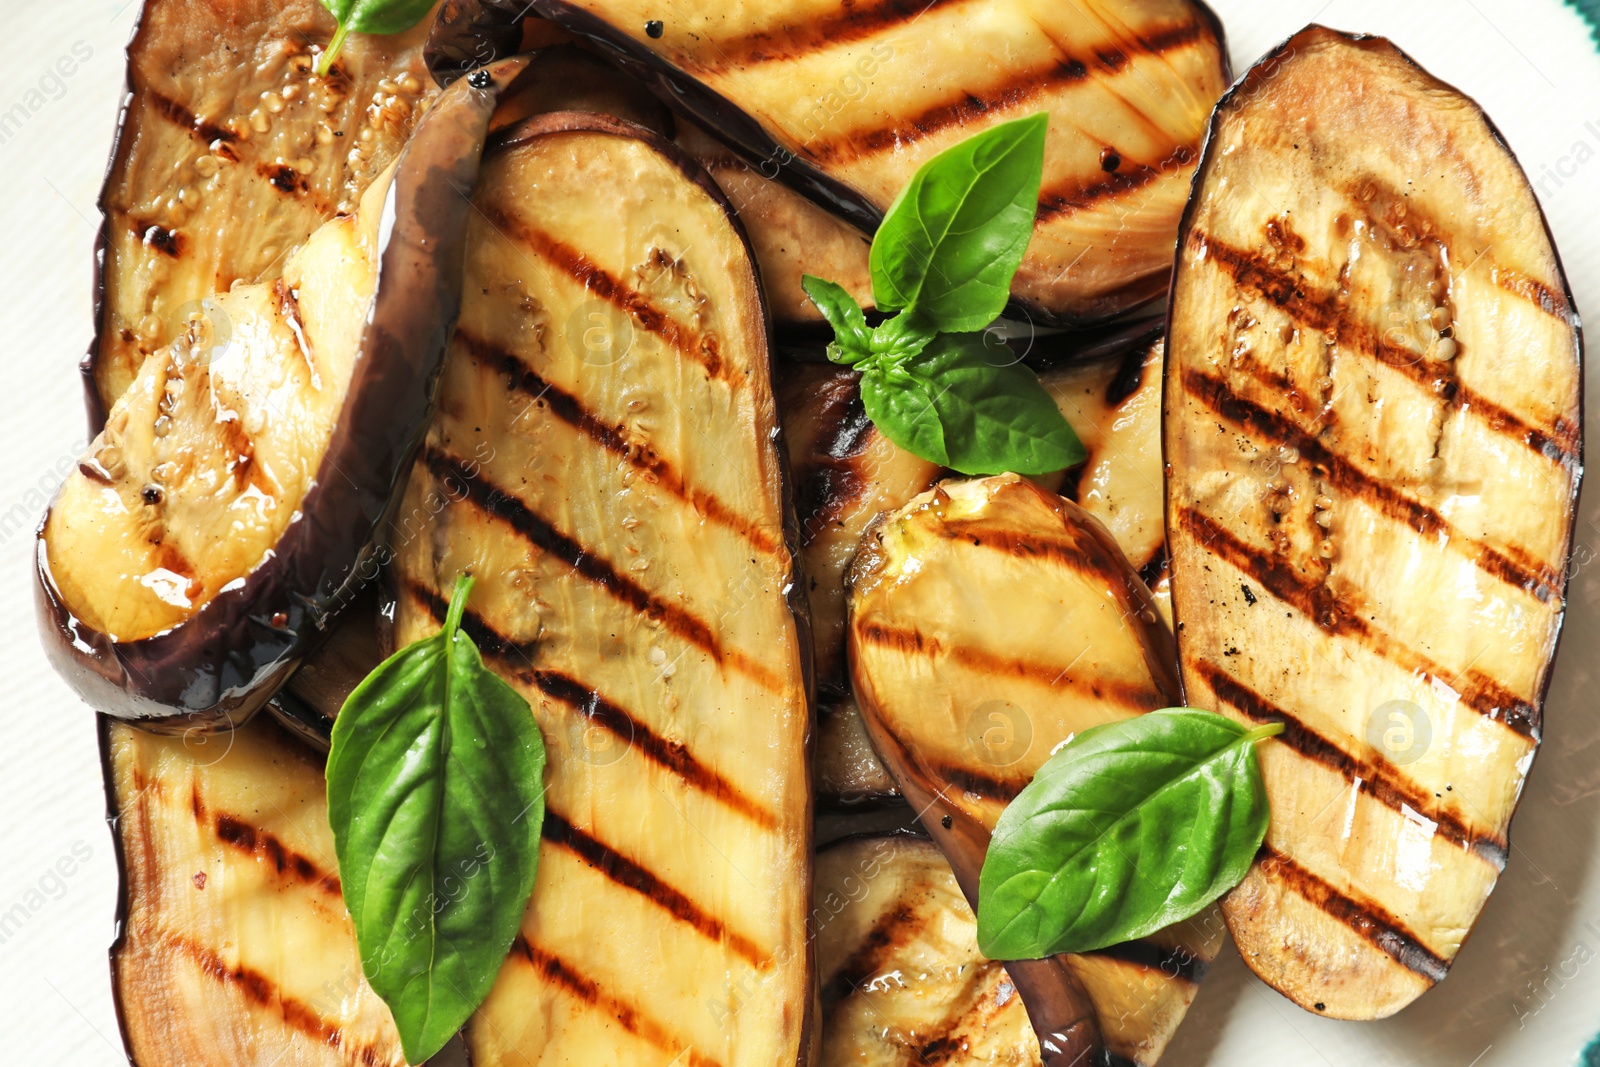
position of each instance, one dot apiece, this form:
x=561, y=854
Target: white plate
x=1526, y=989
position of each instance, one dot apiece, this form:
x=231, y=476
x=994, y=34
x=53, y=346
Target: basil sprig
x=943, y=260
x=1129, y=828
x=369, y=16
x=436, y=798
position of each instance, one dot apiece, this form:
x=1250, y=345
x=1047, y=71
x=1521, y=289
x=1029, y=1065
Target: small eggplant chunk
x=234, y=948
x=990, y=621
x=230, y=151
x=230, y=505
x=845, y=101
x=605, y=462
x=1372, y=430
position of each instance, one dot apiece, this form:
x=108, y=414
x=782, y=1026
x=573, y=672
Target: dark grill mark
x=1175, y=962
x=699, y=347
x=559, y=972
x=179, y=115
x=169, y=243
x=506, y=507
x=1317, y=603
x=1510, y=565
x=971, y=781
x=1320, y=310
x=945, y=1045
x=625, y=872
x=261, y=990
x=518, y=658
x=914, y=642
x=851, y=22
x=1085, y=557
x=1076, y=193
x=969, y=107
x=830, y=478
x=1377, y=777
x=1369, y=919
x=894, y=928
x=283, y=178
x=239, y=834
x=614, y=439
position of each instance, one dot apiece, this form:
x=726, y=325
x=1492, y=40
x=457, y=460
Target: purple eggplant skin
x=221, y=664
x=468, y=34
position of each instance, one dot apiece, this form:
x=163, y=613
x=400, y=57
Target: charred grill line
x=1075, y=194
x=503, y=505
x=942, y=1046
x=1082, y=559
x=169, y=243
x=575, y=264
x=518, y=658
x=1377, y=778
x=179, y=115
x=834, y=480
x=852, y=22
x=1175, y=963
x=1367, y=918
x=893, y=928
x=1321, y=311
x=260, y=989
x=625, y=872
x=253, y=841
x=1510, y=565
x=914, y=642
x=614, y=439
x=1481, y=693
x=559, y=972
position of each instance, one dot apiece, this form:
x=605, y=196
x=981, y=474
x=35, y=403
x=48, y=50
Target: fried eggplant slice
x=990, y=621
x=230, y=151
x=903, y=981
x=606, y=463
x=1373, y=440
x=230, y=504
x=844, y=101
x=235, y=948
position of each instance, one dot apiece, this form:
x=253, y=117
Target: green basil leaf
x=436, y=798
x=1129, y=828
x=370, y=16
x=987, y=412
x=852, y=338
x=953, y=239
x=902, y=336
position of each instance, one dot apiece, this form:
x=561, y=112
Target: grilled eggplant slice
x=230, y=152
x=605, y=462
x=990, y=621
x=235, y=948
x=229, y=504
x=1373, y=438
x=903, y=981
x=844, y=101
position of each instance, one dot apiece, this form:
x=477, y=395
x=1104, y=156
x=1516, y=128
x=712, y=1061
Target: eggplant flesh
x=235, y=949
x=1372, y=426
x=230, y=151
x=844, y=101
x=991, y=620
x=605, y=463
x=228, y=505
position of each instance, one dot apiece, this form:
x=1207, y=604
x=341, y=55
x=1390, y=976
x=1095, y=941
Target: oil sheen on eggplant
x=903, y=981
x=605, y=463
x=845, y=100
x=229, y=505
x=1373, y=434
x=230, y=151
x=847, y=473
x=235, y=949
x=991, y=620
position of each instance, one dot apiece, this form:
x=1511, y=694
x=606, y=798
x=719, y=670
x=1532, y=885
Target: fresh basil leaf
x=1130, y=827
x=973, y=408
x=370, y=16
x=436, y=798
x=852, y=338
x=902, y=336
x=954, y=237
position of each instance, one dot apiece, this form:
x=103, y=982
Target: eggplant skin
x=1372, y=425
x=229, y=152
x=222, y=661
x=843, y=101
x=606, y=462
